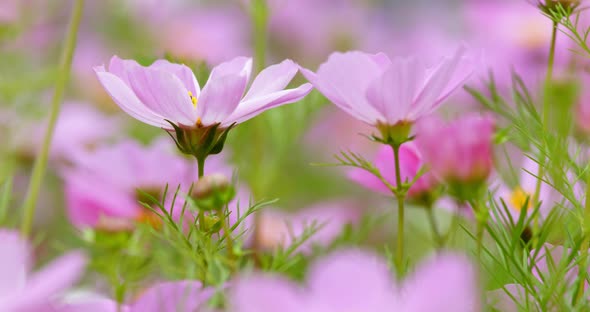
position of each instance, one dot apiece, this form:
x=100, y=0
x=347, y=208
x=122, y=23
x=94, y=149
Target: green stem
x=401, y=196
x=201, y=166
x=481, y=217
x=545, y=114
x=63, y=76
x=201, y=172
x=259, y=15
x=228, y=239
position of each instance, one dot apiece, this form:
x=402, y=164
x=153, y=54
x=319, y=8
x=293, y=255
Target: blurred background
x=273, y=154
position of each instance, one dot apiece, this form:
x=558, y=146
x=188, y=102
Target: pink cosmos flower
x=410, y=164
x=22, y=290
x=102, y=186
x=162, y=297
x=359, y=281
x=460, y=151
x=81, y=126
x=280, y=229
x=380, y=91
x=166, y=91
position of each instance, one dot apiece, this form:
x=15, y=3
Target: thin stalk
x=201, y=172
x=545, y=114
x=401, y=196
x=62, y=78
x=259, y=16
x=228, y=239
x=481, y=217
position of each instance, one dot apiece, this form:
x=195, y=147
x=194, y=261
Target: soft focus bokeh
x=108, y=174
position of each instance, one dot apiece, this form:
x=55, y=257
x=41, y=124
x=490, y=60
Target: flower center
x=519, y=198
x=194, y=100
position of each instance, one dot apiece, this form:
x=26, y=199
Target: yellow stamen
x=519, y=198
x=193, y=99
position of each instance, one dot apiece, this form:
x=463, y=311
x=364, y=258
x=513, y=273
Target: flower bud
x=213, y=192
x=459, y=153
x=211, y=223
x=548, y=6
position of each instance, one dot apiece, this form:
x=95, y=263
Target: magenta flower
x=166, y=91
x=280, y=229
x=359, y=281
x=162, y=297
x=460, y=151
x=384, y=92
x=410, y=164
x=22, y=290
x=102, y=186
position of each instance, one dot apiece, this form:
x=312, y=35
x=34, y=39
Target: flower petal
x=253, y=107
x=15, y=264
x=128, y=101
x=265, y=294
x=183, y=72
x=173, y=296
x=272, y=79
x=223, y=90
x=448, y=281
x=163, y=93
x=52, y=279
x=445, y=78
x=344, y=79
x=352, y=281
x=393, y=93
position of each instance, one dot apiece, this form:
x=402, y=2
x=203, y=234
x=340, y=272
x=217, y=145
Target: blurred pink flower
x=516, y=197
x=208, y=34
x=333, y=130
x=165, y=91
x=102, y=186
x=379, y=91
x=80, y=126
x=360, y=281
x=410, y=164
x=460, y=151
x=162, y=297
x=517, y=38
x=281, y=229
x=309, y=30
x=9, y=11
x=22, y=290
